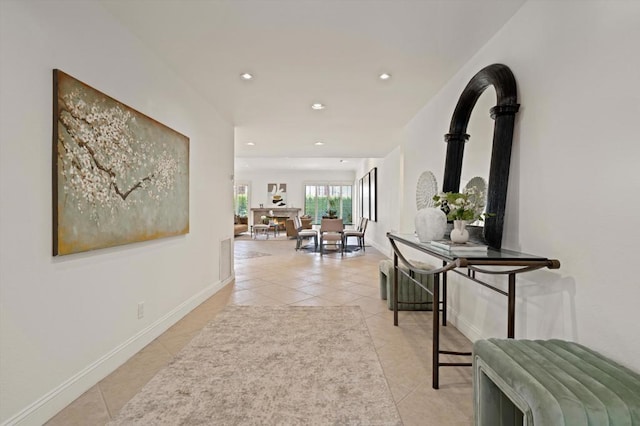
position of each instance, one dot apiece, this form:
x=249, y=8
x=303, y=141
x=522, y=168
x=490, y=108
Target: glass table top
x=450, y=255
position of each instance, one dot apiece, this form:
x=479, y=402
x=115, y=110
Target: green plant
x=241, y=204
x=467, y=205
x=332, y=211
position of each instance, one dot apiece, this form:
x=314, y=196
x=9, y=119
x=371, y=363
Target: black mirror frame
x=501, y=78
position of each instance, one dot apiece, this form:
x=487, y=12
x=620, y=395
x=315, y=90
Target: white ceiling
x=297, y=163
x=306, y=51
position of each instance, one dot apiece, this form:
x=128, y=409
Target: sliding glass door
x=329, y=200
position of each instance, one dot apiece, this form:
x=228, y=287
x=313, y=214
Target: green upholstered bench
x=407, y=290
x=551, y=382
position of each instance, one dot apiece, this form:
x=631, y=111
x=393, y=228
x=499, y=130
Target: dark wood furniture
x=504, y=113
x=475, y=264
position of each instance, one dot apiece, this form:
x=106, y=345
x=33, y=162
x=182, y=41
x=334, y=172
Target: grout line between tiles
x=104, y=402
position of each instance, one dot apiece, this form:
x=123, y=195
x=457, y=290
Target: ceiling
x=306, y=51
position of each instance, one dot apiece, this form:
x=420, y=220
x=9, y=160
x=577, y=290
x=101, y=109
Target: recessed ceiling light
x=319, y=143
x=250, y=143
x=384, y=76
x=317, y=106
x=246, y=76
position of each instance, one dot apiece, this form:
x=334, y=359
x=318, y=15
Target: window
x=241, y=199
x=327, y=199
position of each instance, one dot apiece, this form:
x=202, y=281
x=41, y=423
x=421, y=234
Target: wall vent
x=226, y=259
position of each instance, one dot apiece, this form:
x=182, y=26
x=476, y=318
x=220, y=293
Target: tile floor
x=271, y=272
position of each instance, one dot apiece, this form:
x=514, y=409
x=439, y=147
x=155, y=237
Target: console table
x=474, y=263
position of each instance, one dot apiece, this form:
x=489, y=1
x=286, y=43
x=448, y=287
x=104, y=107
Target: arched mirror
x=503, y=113
x=477, y=150
x=477, y=153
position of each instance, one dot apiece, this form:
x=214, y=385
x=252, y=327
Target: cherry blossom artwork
x=119, y=176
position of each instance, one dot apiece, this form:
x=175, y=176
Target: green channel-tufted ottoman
x=407, y=290
x=551, y=382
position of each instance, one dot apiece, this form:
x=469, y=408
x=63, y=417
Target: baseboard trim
x=468, y=329
x=380, y=248
x=52, y=402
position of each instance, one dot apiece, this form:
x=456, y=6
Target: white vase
x=431, y=224
x=459, y=233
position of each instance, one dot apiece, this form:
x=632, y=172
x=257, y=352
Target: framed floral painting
x=119, y=176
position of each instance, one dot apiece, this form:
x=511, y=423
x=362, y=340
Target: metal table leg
x=444, y=297
x=511, y=316
x=436, y=333
x=395, y=288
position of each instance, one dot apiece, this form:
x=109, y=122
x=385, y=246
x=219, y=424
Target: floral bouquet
x=467, y=205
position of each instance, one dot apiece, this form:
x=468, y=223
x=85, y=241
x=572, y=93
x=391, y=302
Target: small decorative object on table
x=462, y=208
x=332, y=210
x=430, y=222
x=426, y=188
x=459, y=233
x=459, y=247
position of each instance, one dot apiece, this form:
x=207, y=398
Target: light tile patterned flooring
x=303, y=278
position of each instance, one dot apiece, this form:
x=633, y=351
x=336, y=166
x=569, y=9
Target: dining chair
x=302, y=233
x=331, y=230
x=358, y=233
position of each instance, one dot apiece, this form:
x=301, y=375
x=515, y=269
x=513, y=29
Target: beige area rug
x=265, y=365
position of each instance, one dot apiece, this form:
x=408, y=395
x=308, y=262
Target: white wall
x=67, y=322
x=573, y=189
x=390, y=195
x=295, y=180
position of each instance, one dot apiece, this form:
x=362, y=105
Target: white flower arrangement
x=467, y=205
